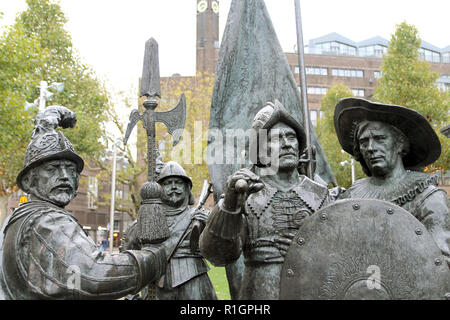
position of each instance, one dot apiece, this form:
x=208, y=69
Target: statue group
x=281, y=233
x=262, y=216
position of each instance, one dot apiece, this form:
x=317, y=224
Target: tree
x=328, y=138
x=35, y=48
x=408, y=81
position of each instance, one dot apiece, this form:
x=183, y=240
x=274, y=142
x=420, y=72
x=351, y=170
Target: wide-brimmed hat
x=48, y=144
x=425, y=147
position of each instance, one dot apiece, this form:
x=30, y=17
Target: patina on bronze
x=186, y=277
x=251, y=69
x=46, y=254
x=260, y=217
x=151, y=225
x=392, y=142
x=364, y=249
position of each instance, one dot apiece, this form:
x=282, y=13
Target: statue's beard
x=174, y=199
x=56, y=196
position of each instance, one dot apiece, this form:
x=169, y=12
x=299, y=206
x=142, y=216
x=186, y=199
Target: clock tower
x=207, y=35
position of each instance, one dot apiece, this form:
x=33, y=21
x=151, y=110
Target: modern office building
x=334, y=58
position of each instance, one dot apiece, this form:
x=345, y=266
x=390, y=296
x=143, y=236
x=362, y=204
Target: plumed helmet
x=47, y=143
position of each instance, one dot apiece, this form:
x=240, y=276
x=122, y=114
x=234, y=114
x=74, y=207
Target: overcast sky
x=110, y=34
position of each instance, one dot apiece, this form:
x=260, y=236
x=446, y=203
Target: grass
x=219, y=280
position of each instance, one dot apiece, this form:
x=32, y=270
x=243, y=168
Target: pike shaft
x=303, y=92
x=151, y=145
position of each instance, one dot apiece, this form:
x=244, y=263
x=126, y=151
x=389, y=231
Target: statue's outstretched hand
x=239, y=185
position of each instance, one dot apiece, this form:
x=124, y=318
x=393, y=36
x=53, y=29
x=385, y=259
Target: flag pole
x=303, y=88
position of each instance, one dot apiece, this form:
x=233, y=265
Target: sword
x=152, y=224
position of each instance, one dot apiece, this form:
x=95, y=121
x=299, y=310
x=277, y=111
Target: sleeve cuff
x=225, y=224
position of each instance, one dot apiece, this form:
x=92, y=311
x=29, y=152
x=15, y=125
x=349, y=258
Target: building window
x=333, y=47
x=358, y=92
x=353, y=73
x=317, y=90
x=446, y=57
x=92, y=193
x=317, y=71
x=377, y=74
x=313, y=116
x=372, y=51
x=297, y=70
x=429, y=55
x=443, y=86
x=116, y=225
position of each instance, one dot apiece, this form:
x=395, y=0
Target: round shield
x=364, y=249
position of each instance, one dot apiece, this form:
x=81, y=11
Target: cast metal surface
x=363, y=241
x=252, y=69
x=46, y=253
x=150, y=87
x=151, y=221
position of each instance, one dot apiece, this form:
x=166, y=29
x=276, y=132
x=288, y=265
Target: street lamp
x=113, y=193
x=352, y=164
x=45, y=94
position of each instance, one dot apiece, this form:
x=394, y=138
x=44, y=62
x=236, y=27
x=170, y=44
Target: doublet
x=184, y=264
x=418, y=194
x=46, y=254
x=268, y=215
x=272, y=212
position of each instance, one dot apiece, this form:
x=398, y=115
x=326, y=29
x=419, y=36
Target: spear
x=303, y=92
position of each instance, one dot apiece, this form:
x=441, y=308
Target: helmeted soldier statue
x=261, y=220
x=186, y=276
x=46, y=254
x=393, y=145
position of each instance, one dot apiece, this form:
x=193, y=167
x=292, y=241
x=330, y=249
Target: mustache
x=63, y=185
x=176, y=191
x=290, y=152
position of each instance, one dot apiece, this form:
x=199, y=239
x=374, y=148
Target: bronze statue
x=259, y=212
x=46, y=253
x=186, y=277
x=388, y=235
x=393, y=145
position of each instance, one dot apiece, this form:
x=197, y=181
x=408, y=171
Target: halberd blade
x=150, y=82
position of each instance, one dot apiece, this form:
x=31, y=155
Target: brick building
x=333, y=58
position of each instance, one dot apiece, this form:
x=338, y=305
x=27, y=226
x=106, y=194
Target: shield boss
x=364, y=249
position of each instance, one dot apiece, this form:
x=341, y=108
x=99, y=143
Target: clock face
x=215, y=7
x=202, y=6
